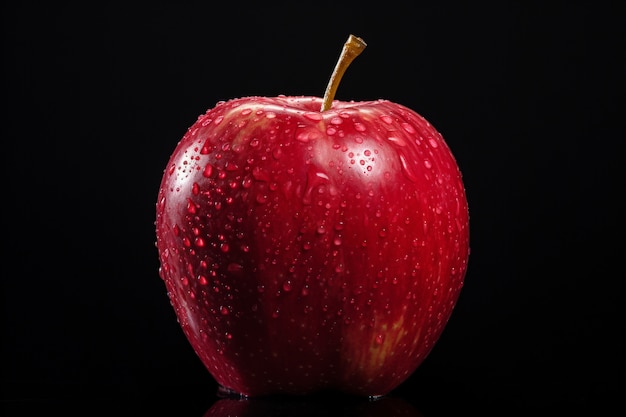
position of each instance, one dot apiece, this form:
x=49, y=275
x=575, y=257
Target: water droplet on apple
x=408, y=127
x=387, y=119
x=208, y=170
x=379, y=339
x=359, y=127
x=260, y=175
x=307, y=134
x=234, y=267
x=246, y=182
x=433, y=142
x=407, y=169
x=224, y=311
x=287, y=286
x=218, y=120
x=427, y=164
x=277, y=152
x=398, y=141
x=191, y=207
x=313, y=116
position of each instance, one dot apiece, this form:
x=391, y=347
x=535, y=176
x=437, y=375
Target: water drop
x=336, y=121
x=313, y=116
x=433, y=142
x=398, y=141
x=287, y=286
x=277, y=152
x=408, y=127
x=387, y=119
x=231, y=166
x=407, y=170
x=208, y=170
x=260, y=175
x=191, y=207
x=379, y=339
x=224, y=311
x=359, y=127
x=234, y=267
x=308, y=134
x=246, y=182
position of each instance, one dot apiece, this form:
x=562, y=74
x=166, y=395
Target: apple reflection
x=312, y=406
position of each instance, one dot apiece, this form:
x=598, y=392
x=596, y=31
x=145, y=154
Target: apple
x=309, y=244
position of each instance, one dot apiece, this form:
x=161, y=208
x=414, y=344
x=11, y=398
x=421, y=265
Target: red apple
x=308, y=244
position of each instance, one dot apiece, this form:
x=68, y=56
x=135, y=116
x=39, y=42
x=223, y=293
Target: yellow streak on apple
x=382, y=347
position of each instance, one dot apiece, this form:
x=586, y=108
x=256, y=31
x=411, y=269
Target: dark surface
x=529, y=97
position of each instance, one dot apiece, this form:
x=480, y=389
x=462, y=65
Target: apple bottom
x=302, y=348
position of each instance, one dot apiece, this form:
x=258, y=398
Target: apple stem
x=351, y=49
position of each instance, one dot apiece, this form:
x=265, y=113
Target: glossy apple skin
x=306, y=251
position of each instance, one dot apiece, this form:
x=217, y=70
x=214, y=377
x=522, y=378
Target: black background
x=529, y=96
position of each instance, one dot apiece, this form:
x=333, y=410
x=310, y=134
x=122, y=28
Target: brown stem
x=351, y=49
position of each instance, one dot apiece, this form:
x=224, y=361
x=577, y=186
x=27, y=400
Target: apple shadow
x=323, y=404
